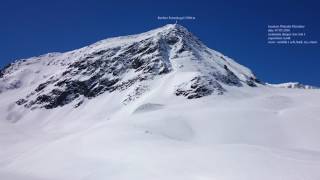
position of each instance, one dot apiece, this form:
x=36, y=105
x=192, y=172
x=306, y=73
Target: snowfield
x=247, y=133
x=261, y=133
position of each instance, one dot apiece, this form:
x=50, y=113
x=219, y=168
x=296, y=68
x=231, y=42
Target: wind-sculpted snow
x=148, y=107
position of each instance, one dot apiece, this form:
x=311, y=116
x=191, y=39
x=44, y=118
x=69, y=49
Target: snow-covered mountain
x=127, y=63
x=156, y=105
x=296, y=85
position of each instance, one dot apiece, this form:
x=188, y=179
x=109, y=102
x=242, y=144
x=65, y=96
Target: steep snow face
x=117, y=64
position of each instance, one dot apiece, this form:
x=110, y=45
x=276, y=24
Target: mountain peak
x=170, y=27
x=175, y=30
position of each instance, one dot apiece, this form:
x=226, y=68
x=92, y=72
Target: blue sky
x=235, y=28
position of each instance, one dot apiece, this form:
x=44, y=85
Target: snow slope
x=247, y=133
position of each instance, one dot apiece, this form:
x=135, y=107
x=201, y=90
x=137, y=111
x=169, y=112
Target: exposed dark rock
x=78, y=104
x=43, y=85
x=2, y=71
x=198, y=87
x=230, y=78
x=251, y=83
x=136, y=63
x=171, y=40
x=21, y=101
